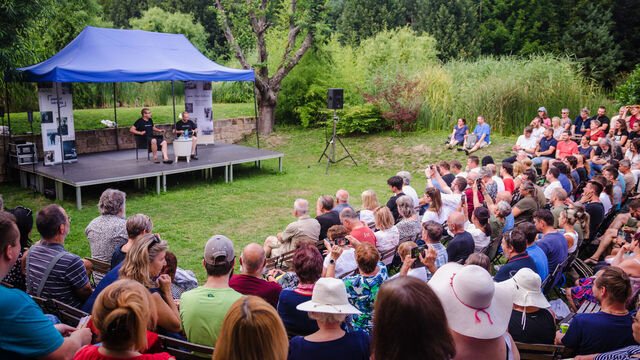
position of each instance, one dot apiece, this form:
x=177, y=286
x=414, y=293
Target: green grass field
x=260, y=201
x=90, y=119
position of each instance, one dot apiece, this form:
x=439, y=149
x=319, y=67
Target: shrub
x=401, y=102
x=360, y=119
x=628, y=93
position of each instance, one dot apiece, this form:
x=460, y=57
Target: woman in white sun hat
x=531, y=319
x=329, y=306
x=478, y=312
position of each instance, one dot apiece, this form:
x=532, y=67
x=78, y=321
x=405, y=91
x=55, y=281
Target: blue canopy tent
x=115, y=55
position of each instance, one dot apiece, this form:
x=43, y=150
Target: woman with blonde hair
x=122, y=314
x=252, y=330
x=434, y=211
x=387, y=236
x=369, y=204
x=143, y=263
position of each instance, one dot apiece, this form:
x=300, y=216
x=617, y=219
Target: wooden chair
x=45, y=304
x=99, y=266
x=67, y=314
x=142, y=143
x=540, y=351
x=183, y=350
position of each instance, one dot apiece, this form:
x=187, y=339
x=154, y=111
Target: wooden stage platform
x=115, y=166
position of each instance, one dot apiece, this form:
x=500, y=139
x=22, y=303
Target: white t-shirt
x=606, y=202
x=479, y=238
x=346, y=263
x=529, y=143
x=366, y=216
x=537, y=133
x=463, y=174
x=387, y=239
x=411, y=192
x=450, y=204
x=499, y=182
x=575, y=241
x=432, y=216
x=634, y=159
x=550, y=187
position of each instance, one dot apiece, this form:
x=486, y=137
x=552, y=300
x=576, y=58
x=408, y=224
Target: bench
x=184, y=350
x=98, y=266
x=587, y=307
x=280, y=261
x=540, y=351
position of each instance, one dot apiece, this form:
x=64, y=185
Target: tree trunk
x=266, y=114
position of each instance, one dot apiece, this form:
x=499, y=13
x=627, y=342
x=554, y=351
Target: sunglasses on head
x=156, y=240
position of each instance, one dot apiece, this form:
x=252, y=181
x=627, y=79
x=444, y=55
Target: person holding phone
x=337, y=235
x=429, y=257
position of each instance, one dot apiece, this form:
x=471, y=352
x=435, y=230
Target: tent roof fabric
x=116, y=55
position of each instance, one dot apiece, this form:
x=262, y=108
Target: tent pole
x=4, y=137
x=173, y=98
x=6, y=90
x=255, y=111
x=115, y=116
x=57, y=85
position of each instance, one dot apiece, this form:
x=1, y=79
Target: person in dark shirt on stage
x=514, y=247
x=144, y=126
x=192, y=129
x=250, y=282
x=462, y=244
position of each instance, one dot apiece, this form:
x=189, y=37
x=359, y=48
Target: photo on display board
x=190, y=85
x=46, y=117
x=188, y=107
x=208, y=114
x=69, y=148
x=66, y=88
x=64, y=126
x=49, y=157
x=52, y=137
x=206, y=85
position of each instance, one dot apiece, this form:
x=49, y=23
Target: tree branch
x=284, y=70
x=260, y=26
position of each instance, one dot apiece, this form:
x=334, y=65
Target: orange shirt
x=564, y=149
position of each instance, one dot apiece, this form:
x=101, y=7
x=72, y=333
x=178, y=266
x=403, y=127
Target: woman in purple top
x=459, y=131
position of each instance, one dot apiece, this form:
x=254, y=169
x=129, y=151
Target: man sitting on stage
x=192, y=129
x=144, y=126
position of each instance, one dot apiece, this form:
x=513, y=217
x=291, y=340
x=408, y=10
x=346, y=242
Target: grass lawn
x=90, y=118
x=260, y=202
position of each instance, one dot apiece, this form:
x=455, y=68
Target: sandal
x=591, y=261
x=156, y=161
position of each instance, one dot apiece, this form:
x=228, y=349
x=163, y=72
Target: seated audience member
x=557, y=199
x=444, y=168
x=628, y=221
x=578, y=172
x=410, y=226
x=250, y=282
x=192, y=130
x=449, y=196
x=633, y=155
x=611, y=174
x=585, y=149
x=434, y=212
x=581, y=123
x=346, y=263
x=565, y=120
x=456, y=168
x=137, y=225
x=531, y=318
x=203, y=309
x=558, y=130
x=514, y=247
x=305, y=227
x=526, y=142
x=395, y=184
x=544, y=117
x=460, y=130
x=591, y=201
x=325, y=215
x=462, y=244
x=566, y=220
x=356, y=228
x=479, y=228
x=619, y=133
x=506, y=172
x=523, y=210
x=606, y=196
x=594, y=133
x=407, y=298
x=121, y=315
x=307, y=264
x=634, y=133
x=552, y=178
x=537, y=128
x=552, y=242
x=480, y=259
x=387, y=236
x=143, y=263
x=565, y=178
x=369, y=204
x=108, y=231
x=478, y=312
x=498, y=218
x=490, y=185
x=51, y=271
x=626, y=353
x=602, y=118
x=536, y=253
x=329, y=307
x=483, y=134
x=432, y=259
x=251, y=330
x=363, y=287
x=407, y=189
x=634, y=116
x=609, y=329
x=26, y=332
x=628, y=177
x=408, y=267
x=342, y=201
x=472, y=191
x=24, y=220
x=144, y=127
x=545, y=150
x=181, y=280
x=603, y=155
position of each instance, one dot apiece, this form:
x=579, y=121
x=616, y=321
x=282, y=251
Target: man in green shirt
x=202, y=310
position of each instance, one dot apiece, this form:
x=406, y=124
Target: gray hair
x=326, y=201
x=327, y=317
x=111, y=202
x=597, y=122
x=348, y=213
x=504, y=209
x=623, y=162
x=565, y=110
x=486, y=172
x=406, y=177
x=585, y=110
x=603, y=141
x=405, y=206
x=301, y=206
x=138, y=223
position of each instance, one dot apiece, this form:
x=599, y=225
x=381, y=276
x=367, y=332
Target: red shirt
x=364, y=234
x=509, y=185
x=469, y=194
x=90, y=352
x=595, y=136
x=632, y=120
x=563, y=149
x=249, y=285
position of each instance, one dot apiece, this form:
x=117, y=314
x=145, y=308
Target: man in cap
x=202, y=310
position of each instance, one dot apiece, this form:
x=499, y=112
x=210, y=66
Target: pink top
x=563, y=149
x=90, y=352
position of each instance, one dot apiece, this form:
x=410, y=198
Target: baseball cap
x=542, y=108
x=219, y=250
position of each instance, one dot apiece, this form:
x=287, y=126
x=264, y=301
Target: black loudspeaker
x=30, y=116
x=335, y=99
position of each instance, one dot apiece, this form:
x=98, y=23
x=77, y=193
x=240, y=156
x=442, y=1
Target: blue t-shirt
x=540, y=259
x=484, y=129
x=581, y=125
x=25, y=331
x=565, y=182
x=295, y=321
x=599, y=333
x=460, y=132
x=508, y=223
x=545, y=144
x=555, y=247
x=514, y=264
x=352, y=346
x=111, y=277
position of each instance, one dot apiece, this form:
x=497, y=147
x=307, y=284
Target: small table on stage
x=182, y=147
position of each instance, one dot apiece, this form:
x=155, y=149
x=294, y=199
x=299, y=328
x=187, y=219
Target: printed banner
x=52, y=144
x=197, y=102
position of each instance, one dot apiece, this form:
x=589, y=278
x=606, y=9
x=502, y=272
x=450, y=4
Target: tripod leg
x=345, y=149
x=324, y=153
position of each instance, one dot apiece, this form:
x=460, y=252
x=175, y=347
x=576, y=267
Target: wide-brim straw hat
x=329, y=296
x=475, y=305
x=526, y=289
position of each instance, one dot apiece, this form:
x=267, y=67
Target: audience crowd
x=468, y=263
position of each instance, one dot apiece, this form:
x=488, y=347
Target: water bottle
x=186, y=134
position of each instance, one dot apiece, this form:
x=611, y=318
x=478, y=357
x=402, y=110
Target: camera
x=416, y=251
x=341, y=241
x=479, y=183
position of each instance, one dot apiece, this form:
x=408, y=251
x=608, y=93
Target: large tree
x=304, y=20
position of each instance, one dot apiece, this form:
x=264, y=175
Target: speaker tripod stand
x=331, y=157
